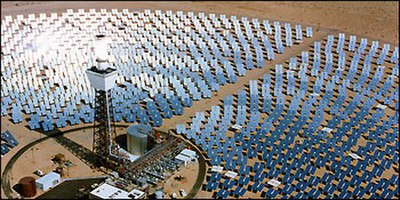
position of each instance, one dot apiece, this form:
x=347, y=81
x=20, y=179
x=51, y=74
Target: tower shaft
x=104, y=131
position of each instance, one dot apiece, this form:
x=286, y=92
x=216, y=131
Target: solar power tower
x=102, y=78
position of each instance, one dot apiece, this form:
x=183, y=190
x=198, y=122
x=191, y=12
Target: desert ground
x=372, y=20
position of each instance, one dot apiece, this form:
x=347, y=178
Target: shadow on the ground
x=17, y=187
x=121, y=140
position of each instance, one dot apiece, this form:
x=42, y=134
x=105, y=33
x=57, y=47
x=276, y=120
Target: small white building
x=186, y=156
x=106, y=191
x=48, y=181
x=189, y=153
x=183, y=159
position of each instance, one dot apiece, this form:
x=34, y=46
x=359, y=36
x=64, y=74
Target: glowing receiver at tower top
x=100, y=52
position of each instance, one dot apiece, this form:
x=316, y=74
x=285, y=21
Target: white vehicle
x=173, y=195
x=183, y=193
x=39, y=172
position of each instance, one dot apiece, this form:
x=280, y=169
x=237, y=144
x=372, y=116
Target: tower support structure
x=104, y=130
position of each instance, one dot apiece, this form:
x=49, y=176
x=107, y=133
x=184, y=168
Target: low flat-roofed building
x=48, y=181
x=107, y=191
x=189, y=153
x=183, y=159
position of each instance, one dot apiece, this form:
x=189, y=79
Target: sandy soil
x=21, y=134
x=39, y=157
x=173, y=186
x=375, y=20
